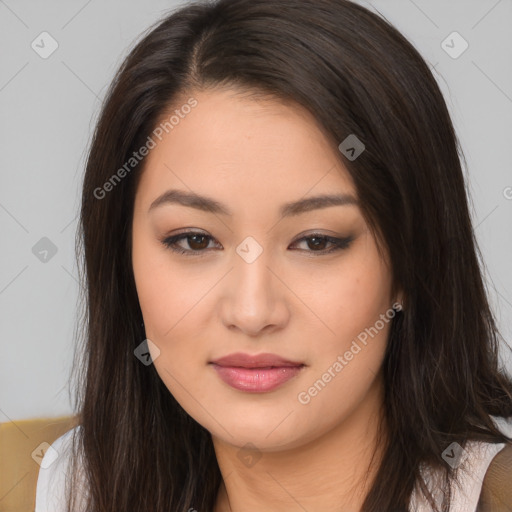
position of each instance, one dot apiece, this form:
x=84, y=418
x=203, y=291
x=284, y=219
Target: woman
x=285, y=307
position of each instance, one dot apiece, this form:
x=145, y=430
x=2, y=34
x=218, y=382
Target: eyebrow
x=207, y=204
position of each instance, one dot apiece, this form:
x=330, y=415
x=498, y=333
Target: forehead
x=242, y=150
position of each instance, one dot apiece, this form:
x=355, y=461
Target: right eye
x=197, y=242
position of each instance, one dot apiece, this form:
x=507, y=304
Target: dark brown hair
x=357, y=75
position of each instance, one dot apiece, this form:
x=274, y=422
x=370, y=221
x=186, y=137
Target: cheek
x=163, y=295
x=168, y=306
x=353, y=349
x=176, y=306
x=151, y=286
x=353, y=299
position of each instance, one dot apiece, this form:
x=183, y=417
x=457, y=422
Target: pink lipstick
x=256, y=374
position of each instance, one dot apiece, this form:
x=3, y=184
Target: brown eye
x=316, y=243
x=197, y=243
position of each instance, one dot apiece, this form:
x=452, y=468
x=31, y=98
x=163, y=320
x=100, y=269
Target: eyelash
x=171, y=243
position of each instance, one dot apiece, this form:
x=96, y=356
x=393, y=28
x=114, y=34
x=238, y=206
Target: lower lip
x=256, y=380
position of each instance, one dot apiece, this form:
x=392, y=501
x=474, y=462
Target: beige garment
x=473, y=463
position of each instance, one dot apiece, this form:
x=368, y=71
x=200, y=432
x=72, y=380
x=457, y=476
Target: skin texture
x=294, y=301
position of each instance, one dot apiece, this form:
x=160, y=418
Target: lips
x=266, y=360
x=256, y=374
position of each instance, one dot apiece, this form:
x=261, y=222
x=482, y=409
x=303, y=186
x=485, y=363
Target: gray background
x=48, y=108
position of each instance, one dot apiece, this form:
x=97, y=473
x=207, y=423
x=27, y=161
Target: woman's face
x=250, y=281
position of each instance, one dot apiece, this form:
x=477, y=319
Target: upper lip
x=257, y=361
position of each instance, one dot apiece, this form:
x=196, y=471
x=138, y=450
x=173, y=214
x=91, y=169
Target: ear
x=399, y=299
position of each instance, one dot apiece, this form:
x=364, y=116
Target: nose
x=254, y=298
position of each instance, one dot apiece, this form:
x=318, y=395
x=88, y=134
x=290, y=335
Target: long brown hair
x=357, y=75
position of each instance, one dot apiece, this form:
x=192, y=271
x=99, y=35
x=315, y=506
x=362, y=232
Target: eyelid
x=339, y=243
x=168, y=241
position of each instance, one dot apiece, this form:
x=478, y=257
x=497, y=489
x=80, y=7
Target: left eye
x=195, y=240
x=198, y=243
x=319, y=241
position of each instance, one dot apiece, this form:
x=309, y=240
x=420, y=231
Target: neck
x=332, y=473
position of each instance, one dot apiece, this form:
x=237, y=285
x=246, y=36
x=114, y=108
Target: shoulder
x=476, y=459
x=53, y=473
x=497, y=484
x=472, y=464
x=503, y=424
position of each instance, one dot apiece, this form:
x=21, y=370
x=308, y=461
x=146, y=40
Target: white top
x=53, y=473
x=474, y=461
x=50, y=492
